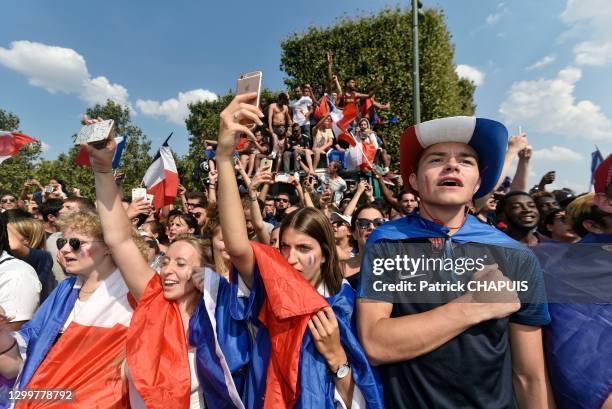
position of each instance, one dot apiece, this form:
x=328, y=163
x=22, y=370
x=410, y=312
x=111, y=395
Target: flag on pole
x=82, y=158
x=161, y=179
x=596, y=160
x=11, y=143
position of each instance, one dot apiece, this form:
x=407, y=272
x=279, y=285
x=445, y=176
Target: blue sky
x=544, y=65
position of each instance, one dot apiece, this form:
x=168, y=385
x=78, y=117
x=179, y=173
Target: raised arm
x=116, y=226
x=521, y=176
x=231, y=215
x=387, y=194
x=352, y=205
x=256, y=218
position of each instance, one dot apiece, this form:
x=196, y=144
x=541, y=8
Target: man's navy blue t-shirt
x=474, y=369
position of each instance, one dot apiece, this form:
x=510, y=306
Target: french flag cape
x=414, y=226
x=280, y=304
x=157, y=349
x=11, y=143
x=88, y=356
x=577, y=342
x=161, y=179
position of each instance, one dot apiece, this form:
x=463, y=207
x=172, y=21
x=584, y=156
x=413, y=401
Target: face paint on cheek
x=427, y=186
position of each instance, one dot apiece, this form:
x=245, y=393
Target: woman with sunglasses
x=176, y=337
x=78, y=335
x=311, y=346
x=365, y=219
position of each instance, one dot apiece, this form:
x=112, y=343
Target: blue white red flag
x=161, y=179
x=596, y=160
x=82, y=158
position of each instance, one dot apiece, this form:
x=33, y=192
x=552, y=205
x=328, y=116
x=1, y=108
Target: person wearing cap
x=459, y=350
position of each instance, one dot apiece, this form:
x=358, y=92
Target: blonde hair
x=32, y=230
x=202, y=246
x=581, y=209
x=86, y=222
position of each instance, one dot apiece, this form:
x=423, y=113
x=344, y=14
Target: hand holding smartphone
x=96, y=133
x=246, y=83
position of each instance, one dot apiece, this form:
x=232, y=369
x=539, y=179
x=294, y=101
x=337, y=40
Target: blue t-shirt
x=474, y=369
x=42, y=262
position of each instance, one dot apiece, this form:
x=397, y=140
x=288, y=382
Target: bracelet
x=253, y=199
x=103, y=171
x=9, y=348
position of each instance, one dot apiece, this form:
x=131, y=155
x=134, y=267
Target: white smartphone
x=95, y=132
x=139, y=193
x=249, y=82
x=281, y=178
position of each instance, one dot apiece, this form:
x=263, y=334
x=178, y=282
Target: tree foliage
x=14, y=171
x=134, y=163
x=380, y=46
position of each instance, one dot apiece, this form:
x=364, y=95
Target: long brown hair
x=314, y=223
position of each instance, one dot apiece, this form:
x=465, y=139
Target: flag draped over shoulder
x=157, y=351
x=290, y=301
x=11, y=143
x=87, y=356
x=161, y=179
x=82, y=158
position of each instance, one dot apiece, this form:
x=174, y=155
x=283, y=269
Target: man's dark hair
x=197, y=195
x=501, y=204
x=85, y=204
x=16, y=214
x=550, y=219
x=51, y=207
x=349, y=79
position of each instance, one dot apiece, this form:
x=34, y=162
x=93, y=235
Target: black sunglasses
x=365, y=223
x=74, y=242
x=282, y=200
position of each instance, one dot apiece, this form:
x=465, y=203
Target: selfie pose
x=182, y=322
x=301, y=309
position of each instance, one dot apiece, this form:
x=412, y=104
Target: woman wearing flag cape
x=301, y=309
x=176, y=336
x=76, y=338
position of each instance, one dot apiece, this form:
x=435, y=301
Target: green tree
x=136, y=158
x=203, y=123
x=14, y=171
x=380, y=46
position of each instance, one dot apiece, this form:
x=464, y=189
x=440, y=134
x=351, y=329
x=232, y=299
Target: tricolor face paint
x=303, y=252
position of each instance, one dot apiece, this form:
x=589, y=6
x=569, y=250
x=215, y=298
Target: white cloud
x=494, y=17
x=541, y=63
x=98, y=90
x=59, y=69
x=557, y=154
x=175, y=109
x=549, y=106
x=470, y=73
x=592, y=17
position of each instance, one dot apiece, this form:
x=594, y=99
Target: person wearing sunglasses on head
x=365, y=219
x=77, y=337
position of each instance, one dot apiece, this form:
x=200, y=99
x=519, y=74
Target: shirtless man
x=279, y=121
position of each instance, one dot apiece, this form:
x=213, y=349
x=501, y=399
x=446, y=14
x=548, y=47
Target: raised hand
x=230, y=126
x=326, y=336
x=101, y=156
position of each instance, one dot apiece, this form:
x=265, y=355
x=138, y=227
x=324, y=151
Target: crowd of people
x=260, y=289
